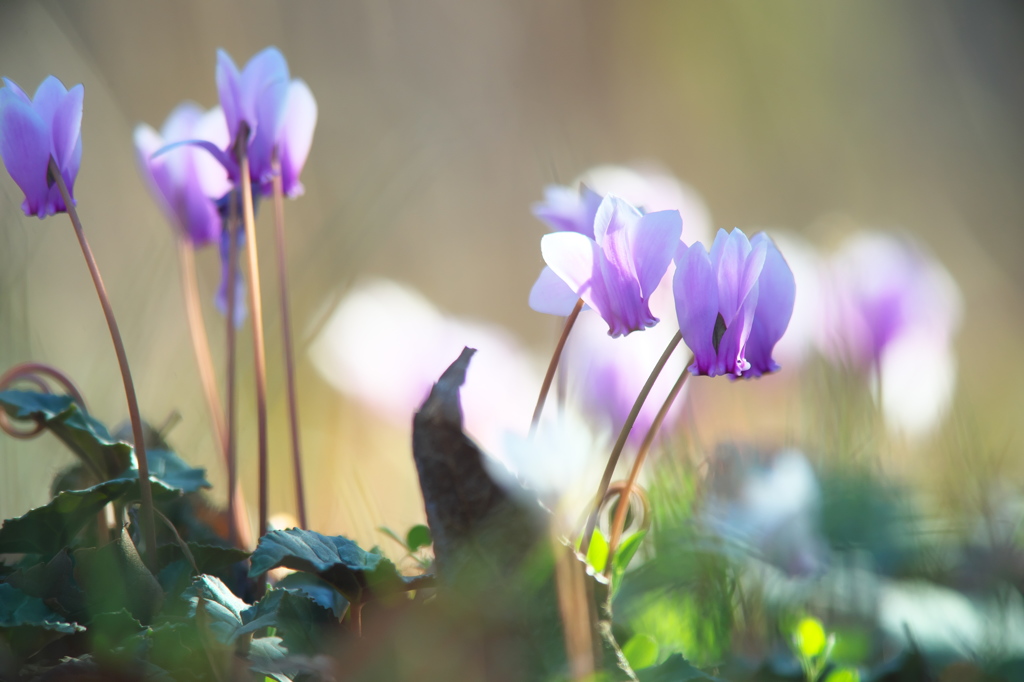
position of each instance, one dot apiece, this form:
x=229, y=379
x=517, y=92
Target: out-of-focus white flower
x=772, y=509
x=560, y=464
x=385, y=345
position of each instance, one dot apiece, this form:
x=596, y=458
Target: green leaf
x=418, y=536
x=85, y=436
x=394, y=536
x=675, y=669
x=18, y=609
x=171, y=470
x=843, y=675
x=54, y=583
x=338, y=560
x=597, y=553
x=219, y=603
x=641, y=651
x=267, y=656
x=113, y=577
x=45, y=530
x=319, y=590
x=301, y=623
x=208, y=558
x=623, y=555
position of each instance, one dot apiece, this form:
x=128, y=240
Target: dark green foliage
x=338, y=560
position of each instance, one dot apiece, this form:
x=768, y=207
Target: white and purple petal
x=25, y=149
x=696, y=295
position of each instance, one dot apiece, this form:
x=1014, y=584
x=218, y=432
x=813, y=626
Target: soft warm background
x=440, y=122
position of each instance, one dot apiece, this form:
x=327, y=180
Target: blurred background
x=440, y=122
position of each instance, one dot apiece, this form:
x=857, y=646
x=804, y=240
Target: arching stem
x=620, y=512
x=145, y=490
x=553, y=365
x=613, y=459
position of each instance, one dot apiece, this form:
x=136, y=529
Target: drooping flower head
x=274, y=111
x=729, y=322
x=617, y=270
x=186, y=181
x=32, y=131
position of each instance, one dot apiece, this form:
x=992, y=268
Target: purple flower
x=617, y=270
x=186, y=181
x=276, y=111
x=32, y=131
x=727, y=319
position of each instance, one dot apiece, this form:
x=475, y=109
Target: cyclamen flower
x=186, y=180
x=617, y=270
x=573, y=209
x=32, y=131
x=734, y=304
x=276, y=111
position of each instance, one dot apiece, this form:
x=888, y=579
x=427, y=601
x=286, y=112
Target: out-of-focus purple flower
x=276, y=111
x=729, y=322
x=32, y=131
x=884, y=286
x=573, y=209
x=893, y=309
x=186, y=181
x=221, y=297
x=616, y=272
x=605, y=374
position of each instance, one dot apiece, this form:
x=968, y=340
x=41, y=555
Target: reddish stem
x=553, y=365
x=286, y=332
x=613, y=459
x=145, y=490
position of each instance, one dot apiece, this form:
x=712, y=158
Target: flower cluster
x=191, y=164
x=614, y=257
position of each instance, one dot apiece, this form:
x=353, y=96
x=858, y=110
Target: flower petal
x=67, y=127
x=13, y=89
x=551, y=295
x=25, y=149
x=48, y=97
x=776, y=298
x=696, y=294
x=296, y=135
x=613, y=215
x=264, y=86
x=229, y=89
x=575, y=259
x=211, y=174
x=566, y=209
x=653, y=241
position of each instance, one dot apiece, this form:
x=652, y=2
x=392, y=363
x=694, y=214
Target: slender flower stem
x=201, y=342
x=553, y=365
x=145, y=490
x=620, y=512
x=236, y=508
x=286, y=332
x=613, y=459
x=256, y=304
x=238, y=525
